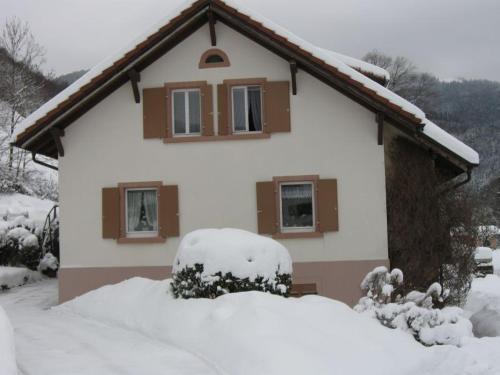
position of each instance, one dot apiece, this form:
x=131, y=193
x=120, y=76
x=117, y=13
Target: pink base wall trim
x=339, y=280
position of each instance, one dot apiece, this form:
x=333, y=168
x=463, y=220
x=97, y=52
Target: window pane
x=297, y=205
x=254, y=109
x=194, y=111
x=179, y=113
x=142, y=211
x=239, y=109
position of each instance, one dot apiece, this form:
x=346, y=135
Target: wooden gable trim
x=190, y=20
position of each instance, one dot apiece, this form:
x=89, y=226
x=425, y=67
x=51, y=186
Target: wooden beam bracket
x=380, y=121
x=211, y=25
x=293, y=72
x=135, y=77
x=57, y=134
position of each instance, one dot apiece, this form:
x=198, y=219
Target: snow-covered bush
x=49, y=265
x=413, y=313
x=213, y=262
x=20, y=243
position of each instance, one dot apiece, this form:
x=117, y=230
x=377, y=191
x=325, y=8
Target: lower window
x=141, y=212
x=297, y=211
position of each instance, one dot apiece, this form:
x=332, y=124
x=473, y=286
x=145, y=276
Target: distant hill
x=68, y=78
x=470, y=110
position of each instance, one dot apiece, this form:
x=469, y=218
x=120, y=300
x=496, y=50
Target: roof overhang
x=39, y=138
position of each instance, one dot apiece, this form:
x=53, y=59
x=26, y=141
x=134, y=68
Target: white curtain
x=296, y=191
x=133, y=209
x=239, y=108
x=255, y=109
x=150, y=208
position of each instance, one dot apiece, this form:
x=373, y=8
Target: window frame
x=230, y=83
x=247, y=123
x=284, y=232
x=284, y=229
x=123, y=188
x=187, y=118
x=170, y=87
x=141, y=234
x=203, y=64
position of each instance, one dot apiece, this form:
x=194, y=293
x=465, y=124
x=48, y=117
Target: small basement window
x=246, y=108
x=141, y=212
x=186, y=113
x=297, y=208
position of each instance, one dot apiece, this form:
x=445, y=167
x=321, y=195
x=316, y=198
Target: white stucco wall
x=331, y=136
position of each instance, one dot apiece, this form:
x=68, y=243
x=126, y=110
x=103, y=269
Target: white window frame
x=186, y=112
x=247, y=125
x=312, y=228
x=141, y=234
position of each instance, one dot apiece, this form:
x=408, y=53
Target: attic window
x=213, y=58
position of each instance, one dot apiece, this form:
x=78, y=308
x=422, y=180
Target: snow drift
x=255, y=332
x=7, y=349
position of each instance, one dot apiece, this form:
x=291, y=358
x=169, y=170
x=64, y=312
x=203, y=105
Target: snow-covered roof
x=347, y=66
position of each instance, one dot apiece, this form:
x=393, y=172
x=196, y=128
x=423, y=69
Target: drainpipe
x=33, y=157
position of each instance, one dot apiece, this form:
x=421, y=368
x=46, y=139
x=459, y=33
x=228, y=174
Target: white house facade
x=213, y=136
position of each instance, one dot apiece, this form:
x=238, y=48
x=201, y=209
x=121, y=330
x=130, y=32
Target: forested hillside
x=468, y=109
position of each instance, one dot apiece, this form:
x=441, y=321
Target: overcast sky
x=450, y=38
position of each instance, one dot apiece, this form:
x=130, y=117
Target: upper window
x=297, y=211
x=246, y=108
x=213, y=58
x=141, y=212
x=186, y=113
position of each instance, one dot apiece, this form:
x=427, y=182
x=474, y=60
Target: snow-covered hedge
x=213, y=262
x=11, y=277
x=7, y=348
x=413, y=313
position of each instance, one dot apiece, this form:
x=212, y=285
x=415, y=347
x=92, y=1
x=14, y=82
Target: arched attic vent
x=213, y=58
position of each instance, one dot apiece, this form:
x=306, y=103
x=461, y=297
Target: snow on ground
x=11, y=277
x=496, y=261
x=59, y=342
x=136, y=327
x=483, y=306
x=7, y=349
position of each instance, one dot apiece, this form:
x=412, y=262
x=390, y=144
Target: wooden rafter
x=135, y=78
x=380, y=123
x=56, y=136
x=293, y=72
x=211, y=25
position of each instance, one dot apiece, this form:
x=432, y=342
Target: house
x=219, y=117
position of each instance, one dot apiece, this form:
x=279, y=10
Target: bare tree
x=22, y=58
x=400, y=69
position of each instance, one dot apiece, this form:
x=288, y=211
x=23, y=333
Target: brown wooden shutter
x=328, y=214
x=266, y=208
x=277, y=107
x=110, y=213
x=169, y=211
x=222, y=107
x=154, y=112
x=208, y=111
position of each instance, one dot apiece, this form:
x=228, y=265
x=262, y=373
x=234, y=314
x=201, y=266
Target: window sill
x=214, y=138
x=125, y=240
x=290, y=235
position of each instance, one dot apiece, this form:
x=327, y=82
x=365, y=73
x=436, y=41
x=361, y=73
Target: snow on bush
x=413, y=313
x=254, y=333
x=213, y=262
x=11, y=277
x=483, y=306
x=483, y=255
x=49, y=265
x=7, y=348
